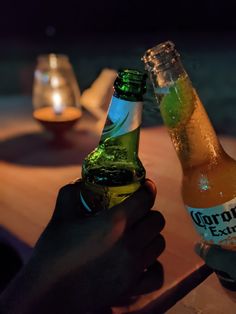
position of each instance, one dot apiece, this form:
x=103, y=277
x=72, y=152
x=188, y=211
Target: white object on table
x=99, y=94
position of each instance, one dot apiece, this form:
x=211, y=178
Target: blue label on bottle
x=123, y=117
x=216, y=225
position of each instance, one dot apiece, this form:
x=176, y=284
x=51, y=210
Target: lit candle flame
x=55, y=81
x=58, y=107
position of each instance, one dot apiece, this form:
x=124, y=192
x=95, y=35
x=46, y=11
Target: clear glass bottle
x=56, y=94
x=113, y=170
x=209, y=174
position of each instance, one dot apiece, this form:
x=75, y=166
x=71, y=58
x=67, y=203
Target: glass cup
x=56, y=94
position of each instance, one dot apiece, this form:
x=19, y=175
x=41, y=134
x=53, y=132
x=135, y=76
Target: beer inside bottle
x=113, y=171
x=209, y=174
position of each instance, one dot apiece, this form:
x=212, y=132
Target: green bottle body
x=113, y=171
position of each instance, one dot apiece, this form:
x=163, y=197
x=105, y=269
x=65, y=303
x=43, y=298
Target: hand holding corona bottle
x=209, y=174
x=113, y=170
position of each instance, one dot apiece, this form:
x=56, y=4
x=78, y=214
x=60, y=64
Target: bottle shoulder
x=111, y=166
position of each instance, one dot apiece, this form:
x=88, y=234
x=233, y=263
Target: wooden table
x=32, y=170
x=207, y=298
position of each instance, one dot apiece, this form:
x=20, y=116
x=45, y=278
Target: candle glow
x=57, y=104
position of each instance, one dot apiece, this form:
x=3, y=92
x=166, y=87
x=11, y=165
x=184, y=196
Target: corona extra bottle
x=209, y=174
x=113, y=171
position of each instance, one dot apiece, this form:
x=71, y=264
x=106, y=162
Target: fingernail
x=202, y=249
x=150, y=188
x=78, y=180
x=151, y=185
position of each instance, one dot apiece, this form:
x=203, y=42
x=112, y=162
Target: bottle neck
x=190, y=129
x=122, y=124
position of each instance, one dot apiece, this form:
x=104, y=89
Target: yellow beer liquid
x=210, y=185
x=112, y=172
x=209, y=174
x=98, y=197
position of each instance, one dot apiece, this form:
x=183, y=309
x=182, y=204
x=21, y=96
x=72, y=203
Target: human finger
x=145, y=230
x=151, y=280
x=217, y=258
x=151, y=252
x=68, y=203
x=135, y=206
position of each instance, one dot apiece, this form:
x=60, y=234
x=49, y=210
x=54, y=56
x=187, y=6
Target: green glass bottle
x=113, y=171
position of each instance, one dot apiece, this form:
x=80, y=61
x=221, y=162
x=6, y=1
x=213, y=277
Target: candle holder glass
x=56, y=94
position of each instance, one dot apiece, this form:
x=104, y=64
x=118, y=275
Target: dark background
x=99, y=34
x=36, y=19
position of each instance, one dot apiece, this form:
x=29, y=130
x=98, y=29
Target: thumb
x=68, y=204
x=218, y=258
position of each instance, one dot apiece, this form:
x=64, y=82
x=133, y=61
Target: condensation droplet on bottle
x=204, y=183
